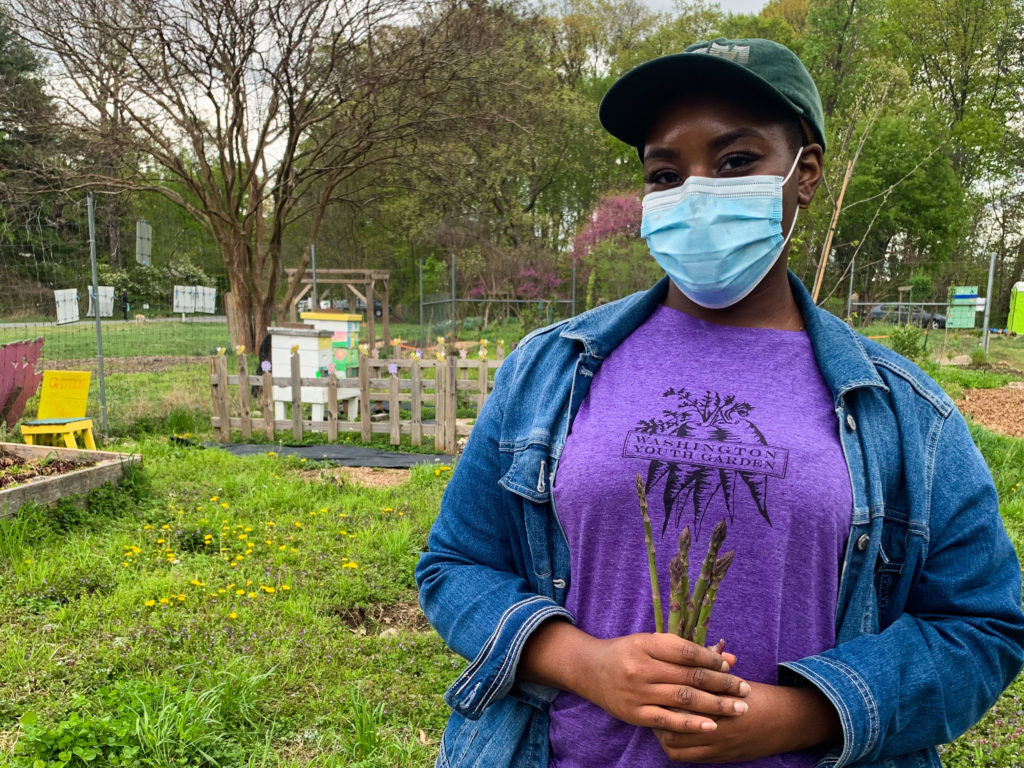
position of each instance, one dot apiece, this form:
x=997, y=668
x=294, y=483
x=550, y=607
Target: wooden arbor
x=363, y=283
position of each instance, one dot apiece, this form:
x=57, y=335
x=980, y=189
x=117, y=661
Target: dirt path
x=1001, y=410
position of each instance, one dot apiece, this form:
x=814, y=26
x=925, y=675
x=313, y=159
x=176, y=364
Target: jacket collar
x=840, y=351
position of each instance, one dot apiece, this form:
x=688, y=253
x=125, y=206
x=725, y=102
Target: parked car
x=893, y=312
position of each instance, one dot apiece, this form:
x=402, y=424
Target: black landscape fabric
x=338, y=453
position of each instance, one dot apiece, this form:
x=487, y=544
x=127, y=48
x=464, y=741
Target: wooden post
x=386, y=311
x=221, y=363
x=243, y=397
x=823, y=261
x=416, y=404
x=440, y=400
x=332, y=406
x=394, y=412
x=296, y=398
x=268, y=405
x=481, y=398
x=370, y=319
x=364, y=398
x=452, y=405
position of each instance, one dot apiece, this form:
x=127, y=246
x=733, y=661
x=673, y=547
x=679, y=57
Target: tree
x=245, y=107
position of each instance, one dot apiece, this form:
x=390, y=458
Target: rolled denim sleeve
x=472, y=584
x=932, y=673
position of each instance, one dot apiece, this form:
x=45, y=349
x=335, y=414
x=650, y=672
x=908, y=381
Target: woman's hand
x=780, y=719
x=656, y=680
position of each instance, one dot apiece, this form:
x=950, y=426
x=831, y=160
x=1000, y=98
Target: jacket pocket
x=889, y=566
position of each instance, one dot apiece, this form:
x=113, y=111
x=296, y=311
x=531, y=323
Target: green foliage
x=907, y=340
x=77, y=741
x=979, y=357
x=153, y=284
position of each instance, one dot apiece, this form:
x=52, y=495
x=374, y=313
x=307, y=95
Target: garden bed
x=43, y=474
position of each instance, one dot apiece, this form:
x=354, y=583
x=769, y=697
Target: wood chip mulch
x=1001, y=410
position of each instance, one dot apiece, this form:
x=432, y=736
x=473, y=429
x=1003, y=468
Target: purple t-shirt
x=722, y=423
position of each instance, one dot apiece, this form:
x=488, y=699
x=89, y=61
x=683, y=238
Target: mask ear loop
x=797, y=211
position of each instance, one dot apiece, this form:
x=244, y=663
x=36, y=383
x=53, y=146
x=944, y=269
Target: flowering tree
x=613, y=259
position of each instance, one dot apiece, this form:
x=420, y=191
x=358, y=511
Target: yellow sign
x=64, y=394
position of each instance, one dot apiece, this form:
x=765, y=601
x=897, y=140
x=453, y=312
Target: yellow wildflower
x=164, y=601
x=213, y=498
x=239, y=591
x=350, y=564
x=150, y=603
x=285, y=587
x=232, y=615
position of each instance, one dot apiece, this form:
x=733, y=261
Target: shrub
x=907, y=340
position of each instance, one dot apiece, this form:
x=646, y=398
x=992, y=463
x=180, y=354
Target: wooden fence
x=409, y=385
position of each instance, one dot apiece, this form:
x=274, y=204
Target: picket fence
x=444, y=385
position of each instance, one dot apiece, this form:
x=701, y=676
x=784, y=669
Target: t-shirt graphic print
x=705, y=445
x=722, y=424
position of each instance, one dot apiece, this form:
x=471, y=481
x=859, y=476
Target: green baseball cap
x=754, y=66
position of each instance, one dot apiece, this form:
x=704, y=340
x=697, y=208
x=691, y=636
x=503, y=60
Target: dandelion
x=241, y=536
x=302, y=461
x=28, y=561
x=164, y=601
x=232, y=615
x=214, y=498
x=252, y=595
x=283, y=547
x=350, y=564
x=234, y=565
x=147, y=527
x=181, y=598
x=221, y=591
x=343, y=532
x=159, y=541
x=285, y=587
x=298, y=524
x=239, y=591
x=224, y=504
x=271, y=523
x=269, y=542
x=239, y=557
x=341, y=514
x=271, y=453
x=150, y=603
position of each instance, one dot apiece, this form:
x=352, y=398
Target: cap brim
x=633, y=103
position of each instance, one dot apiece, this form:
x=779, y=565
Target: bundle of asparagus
x=689, y=613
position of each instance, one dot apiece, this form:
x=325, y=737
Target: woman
x=872, y=610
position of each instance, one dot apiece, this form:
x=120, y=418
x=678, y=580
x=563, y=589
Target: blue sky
x=736, y=6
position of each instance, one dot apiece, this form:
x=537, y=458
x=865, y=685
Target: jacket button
x=851, y=422
x=558, y=583
x=862, y=542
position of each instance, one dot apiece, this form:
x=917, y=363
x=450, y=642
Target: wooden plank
x=296, y=398
x=268, y=405
x=440, y=400
x=377, y=427
x=451, y=406
x=394, y=414
x=364, y=397
x=416, y=419
x=243, y=397
x=482, y=380
x=332, y=408
x=221, y=364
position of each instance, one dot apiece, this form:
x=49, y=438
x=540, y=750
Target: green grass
x=77, y=341
x=316, y=662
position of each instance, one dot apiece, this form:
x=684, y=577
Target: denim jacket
x=928, y=622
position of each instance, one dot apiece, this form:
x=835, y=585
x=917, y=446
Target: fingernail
x=740, y=707
x=725, y=666
x=744, y=689
x=708, y=725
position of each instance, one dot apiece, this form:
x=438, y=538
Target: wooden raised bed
x=101, y=467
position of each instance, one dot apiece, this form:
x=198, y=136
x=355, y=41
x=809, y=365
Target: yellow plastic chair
x=61, y=415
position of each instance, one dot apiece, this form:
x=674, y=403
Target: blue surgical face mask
x=717, y=238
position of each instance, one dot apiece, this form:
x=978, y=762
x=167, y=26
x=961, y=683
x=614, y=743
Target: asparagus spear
x=679, y=584
x=697, y=598
x=659, y=618
x=717, y=574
